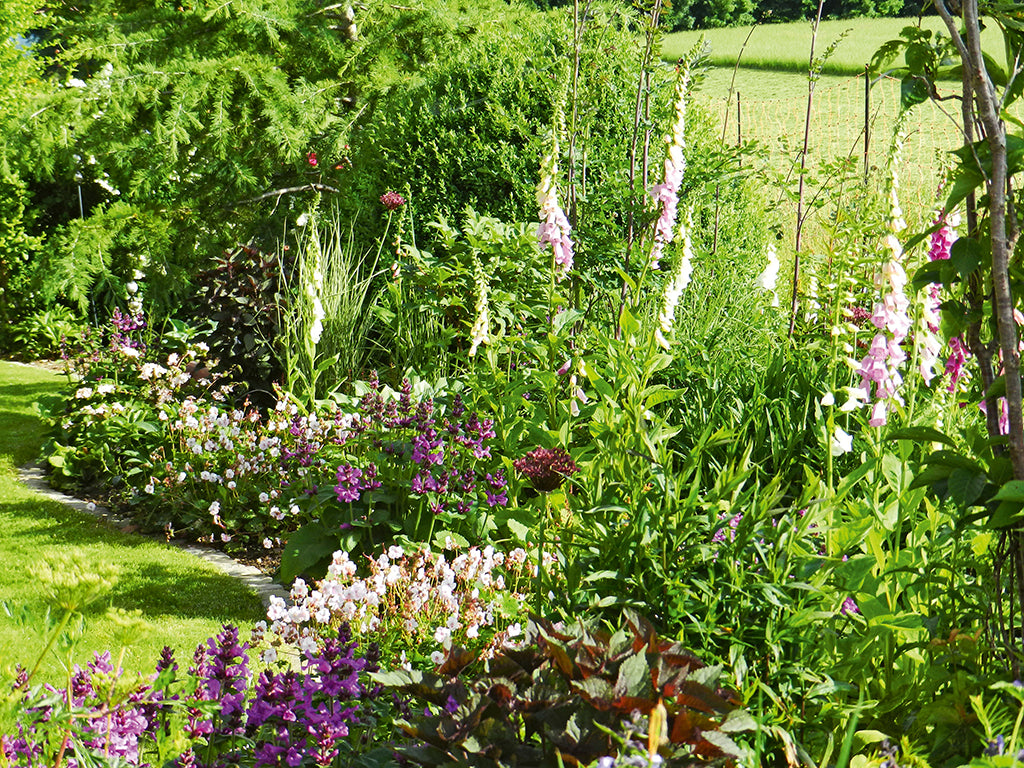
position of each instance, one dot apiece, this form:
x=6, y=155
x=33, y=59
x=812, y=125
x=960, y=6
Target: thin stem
x=811, y=80
x=53, y=639
x=641, y=108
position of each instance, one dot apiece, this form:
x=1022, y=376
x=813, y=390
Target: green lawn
x=787, y=46
x=772, y=86
x=772, y=111
x=185, y=599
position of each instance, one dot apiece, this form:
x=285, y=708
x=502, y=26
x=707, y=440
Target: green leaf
x=1011, y=491
x=965, y=256
x=914, y=90
x=997, y=388
x=926, y=275
x=738, y=720
x=658, y=394
x=305, y=548
x=920, y=59
x=920, y=434
x=953, y=459
x=634, y=677
x=849, y=482
x=885, y=55
x=965, y=486
x=441, y=536
x=931, y=475
x=723, y=742
x=1007, y=513
x=518, y=529
x=630, y=325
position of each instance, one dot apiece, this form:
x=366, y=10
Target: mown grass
x=773, y=108
x=184, y=599
x=771, y=87
x=786, y=47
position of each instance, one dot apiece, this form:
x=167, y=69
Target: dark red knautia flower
x=546, y=468
x=392, y=200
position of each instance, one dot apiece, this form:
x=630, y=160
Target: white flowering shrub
x=418, y=603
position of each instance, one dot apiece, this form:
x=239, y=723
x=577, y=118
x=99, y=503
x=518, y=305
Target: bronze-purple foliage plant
x=558, y=698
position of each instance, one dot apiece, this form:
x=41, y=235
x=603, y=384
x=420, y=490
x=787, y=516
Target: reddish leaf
x=626, y=704
x=700, y=697
x=457, y=660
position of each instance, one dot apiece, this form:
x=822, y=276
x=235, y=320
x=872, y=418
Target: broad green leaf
x=920, y=59
x=1011, y=491
x=738, y=720
x=920, y=434
x=965, y=256
x=966, y=485
x=634, y=676
x=914, y=90
x=1007, y=514
x=305, y=548
x=953, y=459
x=629, y=324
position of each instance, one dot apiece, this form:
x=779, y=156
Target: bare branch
x=278, y=193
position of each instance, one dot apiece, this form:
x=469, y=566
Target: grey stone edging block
x=257, y=581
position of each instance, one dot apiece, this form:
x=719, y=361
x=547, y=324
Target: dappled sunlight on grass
x=185, y=599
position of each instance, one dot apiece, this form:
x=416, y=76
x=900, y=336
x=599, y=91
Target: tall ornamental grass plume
x=554, y=229
x=880, y=368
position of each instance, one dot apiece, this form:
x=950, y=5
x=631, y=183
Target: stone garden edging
x=33, y=476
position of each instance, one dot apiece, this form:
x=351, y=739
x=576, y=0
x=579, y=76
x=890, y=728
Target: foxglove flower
x=666, y=194
x=480, y=333
x=842, y=442
x=767, y=280
x=554, y=229
x=880, y=366
x=674, y=288
x=312, y=286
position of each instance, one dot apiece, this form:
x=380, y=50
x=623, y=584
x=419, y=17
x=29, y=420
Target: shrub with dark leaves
x=558, y=698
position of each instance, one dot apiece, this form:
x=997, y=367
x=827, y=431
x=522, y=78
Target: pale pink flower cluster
x=666, y=194
x=554, y=227
x=423, y=598
x=880, y=367
x=927, y=338
x=228, y=445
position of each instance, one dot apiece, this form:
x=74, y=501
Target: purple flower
x=423, y=482
x=348, y=487
x=546, y=468
x=849, y=607
x=392, y=200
